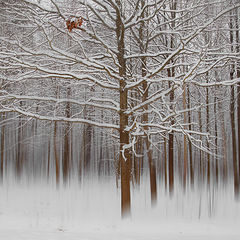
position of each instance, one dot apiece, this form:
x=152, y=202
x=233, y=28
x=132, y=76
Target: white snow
x=91, y=210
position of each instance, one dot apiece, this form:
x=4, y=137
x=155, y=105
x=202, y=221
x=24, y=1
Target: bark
x=238, y=87
x=125, y=160
x=171, y=146
x=2, y=147
x=19, y=155
x=232, y=116
x=66, y=147
x=56, y=155
x=171, y=73
x=207, y=129
x=189, y=143
x=201, y=163
x=216, y=137
x=87, y=146
x=185, y=152
x=224, y=140
x=48, y=159
x=165, y=164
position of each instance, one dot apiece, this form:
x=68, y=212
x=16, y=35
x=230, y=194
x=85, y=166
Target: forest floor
x=92, y=211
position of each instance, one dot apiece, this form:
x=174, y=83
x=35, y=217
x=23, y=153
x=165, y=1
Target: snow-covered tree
x=128, y=62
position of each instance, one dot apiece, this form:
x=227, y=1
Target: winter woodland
x=139, y=91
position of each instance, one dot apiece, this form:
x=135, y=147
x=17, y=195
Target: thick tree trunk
x=125, y=160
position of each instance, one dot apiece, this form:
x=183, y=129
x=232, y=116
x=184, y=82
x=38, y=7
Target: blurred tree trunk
x=55, y=145
x=3, y=117
x=207, y=130
x=56, y=154
x=151, y=163
x=189, y=143
x=171, y=145
x=238, y=86
x=66, y=147
x=171, y=73
x=216, y=137
x=232, y=113
x=224, y=140
x=19, y=155
x=185, y=151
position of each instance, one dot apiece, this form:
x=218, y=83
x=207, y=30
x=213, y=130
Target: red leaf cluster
x=74, y=23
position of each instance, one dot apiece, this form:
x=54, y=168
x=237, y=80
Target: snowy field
x=91, y=210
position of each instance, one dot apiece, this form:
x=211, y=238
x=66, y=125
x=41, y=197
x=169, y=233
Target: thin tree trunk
x=165, y=164
x=189, y=143
x=19, y=156
x=232, y=116
x=216, y=137
x=238, y=86
x=207, y=129
x=171, y=73
x=201, y=162
x=171, y=149
x=56, y=155
x=48, y=159
x=66, y=147
x=185, y=152
x=224, y=140
x=2, y=146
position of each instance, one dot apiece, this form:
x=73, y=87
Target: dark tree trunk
x=189, y=143
x=125, y=160
x=56, y=155
x=232, y=116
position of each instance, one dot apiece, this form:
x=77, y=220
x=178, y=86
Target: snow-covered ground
x=92, y=211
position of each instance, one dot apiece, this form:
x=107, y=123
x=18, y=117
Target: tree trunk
x=238, y=86
x=171, y=73
x=171, y=148
x=2, y=146
x=125, y=160
x=232, y=116
x=216, y=137
x=207, y=129
x=185, y=152
x=189, y=143
x=224, y=141
x=66, y=147
x=56, y=155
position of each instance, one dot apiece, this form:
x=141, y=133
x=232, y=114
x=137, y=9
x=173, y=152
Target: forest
x=138, y=91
